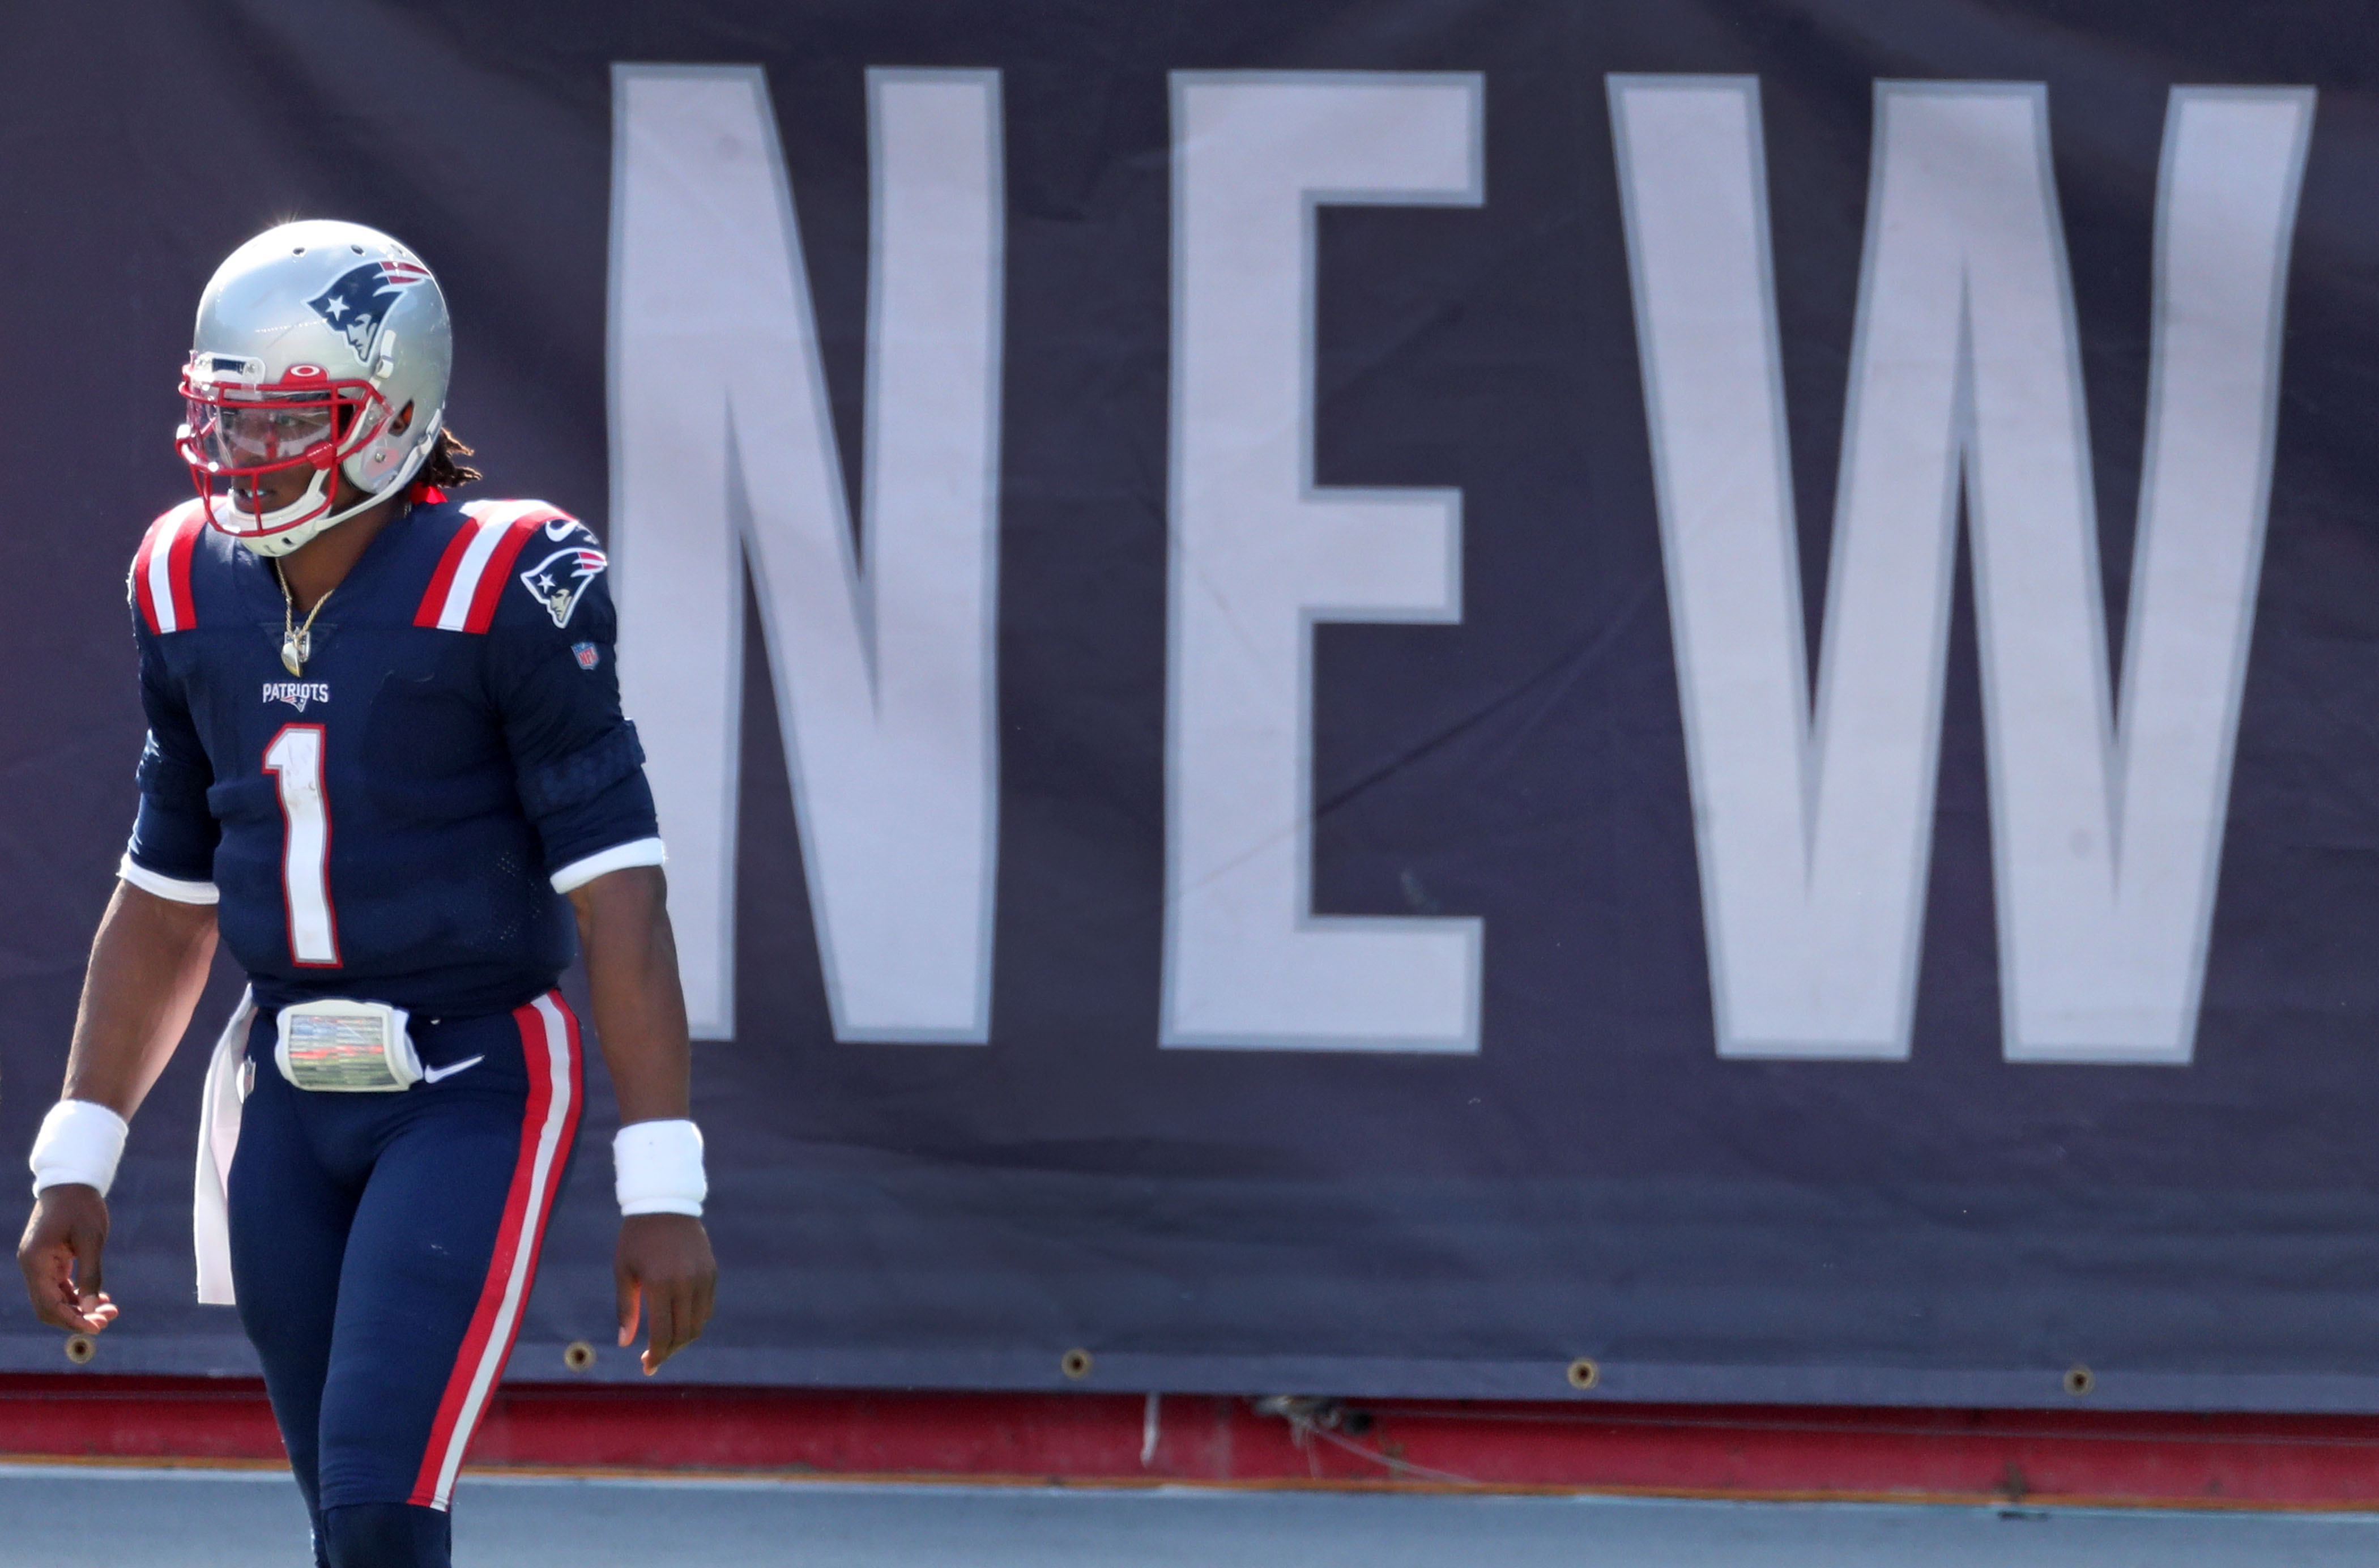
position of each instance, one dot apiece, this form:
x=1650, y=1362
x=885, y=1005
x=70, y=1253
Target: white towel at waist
x=219, y=1106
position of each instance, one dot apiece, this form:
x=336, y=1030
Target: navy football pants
x=383, y=1247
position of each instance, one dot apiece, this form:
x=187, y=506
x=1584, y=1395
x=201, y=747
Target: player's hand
x=60, y=1257
x=664, y=1271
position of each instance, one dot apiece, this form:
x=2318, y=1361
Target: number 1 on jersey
x=295, y=758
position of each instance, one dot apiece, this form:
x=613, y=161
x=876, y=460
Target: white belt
x=339, y=1046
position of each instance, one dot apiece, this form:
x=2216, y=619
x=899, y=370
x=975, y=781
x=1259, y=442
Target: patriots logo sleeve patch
x=559, y=581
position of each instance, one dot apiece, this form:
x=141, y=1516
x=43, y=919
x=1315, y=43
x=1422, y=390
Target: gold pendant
x=294, y=650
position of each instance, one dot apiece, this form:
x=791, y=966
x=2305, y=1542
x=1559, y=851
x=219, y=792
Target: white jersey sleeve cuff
x=579, y=873
x=180, y=892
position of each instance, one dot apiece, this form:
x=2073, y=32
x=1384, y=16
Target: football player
x=386, y=764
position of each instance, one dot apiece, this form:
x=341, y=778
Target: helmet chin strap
x=271, y=546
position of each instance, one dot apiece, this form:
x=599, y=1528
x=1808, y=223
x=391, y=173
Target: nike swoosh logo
x=431, y=1074
x=561, y=528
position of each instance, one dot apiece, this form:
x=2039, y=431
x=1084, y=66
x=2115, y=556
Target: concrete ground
x=249, y=1519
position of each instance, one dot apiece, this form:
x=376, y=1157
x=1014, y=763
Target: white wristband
x=657, y=1168
x=80, y=1144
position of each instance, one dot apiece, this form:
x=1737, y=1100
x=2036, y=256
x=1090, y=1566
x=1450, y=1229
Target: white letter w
x=1815, y=828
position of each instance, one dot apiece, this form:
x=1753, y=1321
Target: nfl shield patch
x=589, y=655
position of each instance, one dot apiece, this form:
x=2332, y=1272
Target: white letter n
x=722, y=448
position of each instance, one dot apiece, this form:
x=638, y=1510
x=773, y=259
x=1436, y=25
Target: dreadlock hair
x=445, y=468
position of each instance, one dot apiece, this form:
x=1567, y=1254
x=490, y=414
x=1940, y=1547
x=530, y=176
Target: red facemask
x=239, y=433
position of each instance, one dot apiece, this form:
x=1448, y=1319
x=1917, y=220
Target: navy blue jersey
x=397, y=823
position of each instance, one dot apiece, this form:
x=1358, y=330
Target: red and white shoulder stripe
x=161, y=572
x=470, y=575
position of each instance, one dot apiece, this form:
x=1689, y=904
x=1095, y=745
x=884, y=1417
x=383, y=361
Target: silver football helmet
x=320, y=346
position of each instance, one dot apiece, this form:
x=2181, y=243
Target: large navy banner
x=1651, y=701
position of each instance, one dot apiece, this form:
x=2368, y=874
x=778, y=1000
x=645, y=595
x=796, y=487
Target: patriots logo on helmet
x=560, y=580
x=360, y=301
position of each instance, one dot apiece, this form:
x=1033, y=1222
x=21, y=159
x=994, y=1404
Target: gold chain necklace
x=296, y=642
